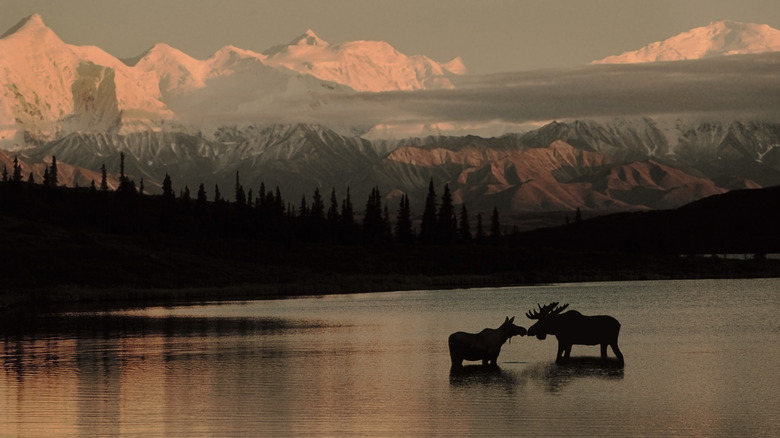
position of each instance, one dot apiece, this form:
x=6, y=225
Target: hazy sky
x=490, y=35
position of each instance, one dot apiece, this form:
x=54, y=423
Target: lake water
x=702, y=358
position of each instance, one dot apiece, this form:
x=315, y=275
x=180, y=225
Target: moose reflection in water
x=484, y=346
x=573, y=327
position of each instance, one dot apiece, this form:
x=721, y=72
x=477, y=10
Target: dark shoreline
x=53, y=298
x=53, y=255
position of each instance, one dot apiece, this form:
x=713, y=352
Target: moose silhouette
x=484, y=346
x=573, y=327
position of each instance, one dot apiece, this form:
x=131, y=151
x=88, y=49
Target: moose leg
x=561, y=350
x=457, y=361
x=604, y=351
x=617, y=352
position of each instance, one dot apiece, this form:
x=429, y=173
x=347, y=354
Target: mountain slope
x=716, y=39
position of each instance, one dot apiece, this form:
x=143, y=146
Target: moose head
x=542, y=326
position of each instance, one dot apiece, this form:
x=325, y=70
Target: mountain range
x=306, y=114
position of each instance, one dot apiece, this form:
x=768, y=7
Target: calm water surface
x=702, y=358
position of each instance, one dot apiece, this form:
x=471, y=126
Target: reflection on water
x=701, y=359
x=488, y=376
x=555, y=377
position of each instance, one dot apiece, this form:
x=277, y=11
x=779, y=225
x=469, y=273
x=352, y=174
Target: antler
x=543, y=311
x=559, y=309
x=547, y=310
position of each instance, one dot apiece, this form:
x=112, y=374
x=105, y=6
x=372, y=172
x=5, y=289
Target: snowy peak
x=29, y=25
x=309, y=38
x=160, y=52
x=361, y=65
x=719, y=38
x=302, y=44
x=456, y=66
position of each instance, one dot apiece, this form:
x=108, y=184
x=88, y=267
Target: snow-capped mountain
x=716, y=39
x=49, y=88
x=362, y=65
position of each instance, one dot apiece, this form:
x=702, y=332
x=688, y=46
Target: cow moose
x=484, y=346
x=572, y=327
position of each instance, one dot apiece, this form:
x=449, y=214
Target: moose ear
x=507, y=319
x=512, y=320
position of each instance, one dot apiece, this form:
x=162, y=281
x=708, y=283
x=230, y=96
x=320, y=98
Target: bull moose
x=573, y=327
x=484, y=346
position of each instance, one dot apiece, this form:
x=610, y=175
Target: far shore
x=67, y=296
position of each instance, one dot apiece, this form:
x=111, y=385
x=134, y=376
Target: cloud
x=733, y=86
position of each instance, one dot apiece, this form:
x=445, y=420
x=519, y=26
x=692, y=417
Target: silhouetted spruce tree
x=31, y=179
x=447, y=222
x=317, y=206
x=303, y=209
x=428, y=225
x=317, y=217
x=202, y=197
x=5, y=173
x=279, y=203
x=201, y=207
x=464, y=228
x=403, y=224
x=53, y=175
x=260, y=203
x=167, y=206
x=17, y=171
x=240, y=194
x=332, y=218
x=495, y=227
x=333, y=210
x=373, y=223
x=167, y=188
x=46, y=178
x=124, y=181
x=103, y=179
x=347, y=228
x=388, y=231
x=141, y=186
x=220, y=220
x=480, y=234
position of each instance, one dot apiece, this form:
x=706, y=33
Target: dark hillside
x=737, y=222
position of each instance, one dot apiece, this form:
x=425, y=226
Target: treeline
x=248, y=214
